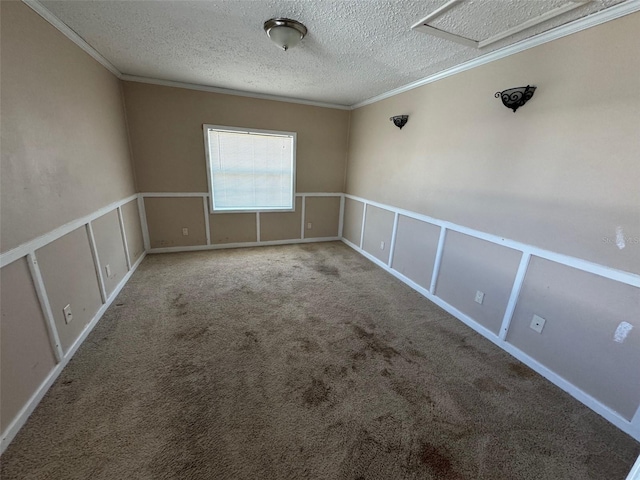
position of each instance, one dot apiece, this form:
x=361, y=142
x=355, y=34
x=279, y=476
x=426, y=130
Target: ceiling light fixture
x=284, y=32
x=514, y=98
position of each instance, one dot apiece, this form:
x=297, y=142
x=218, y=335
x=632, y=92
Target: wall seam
x=346, y=154
x=127, y=128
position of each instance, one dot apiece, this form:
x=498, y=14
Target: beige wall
x=415, y=249
x=378, y=228
x=70, y=278
x=166, y=217
x=168, y=145
x=26, y=355
x=233, y=228
x=323, y=213
x=168, y=151
x=281, y=225
x=64, y=154
x=582, y=312
x=352, y=228
x=470, y=265
x=64, y=147
x=106, y=231
x=133, y=229
x=561, y=173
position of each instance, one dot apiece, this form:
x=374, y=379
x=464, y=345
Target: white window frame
x=205, y=129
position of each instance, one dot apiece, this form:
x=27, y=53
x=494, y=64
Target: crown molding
x=227, y=91
x=603, y=16
x=41, y=10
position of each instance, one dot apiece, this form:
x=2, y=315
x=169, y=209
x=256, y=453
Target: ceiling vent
x=479, y=24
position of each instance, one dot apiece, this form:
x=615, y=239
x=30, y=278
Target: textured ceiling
x=355, y=49
x=481, y=19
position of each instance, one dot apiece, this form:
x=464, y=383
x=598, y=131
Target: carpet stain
x=316, y=393
x=416, y=353
x=437, y=460
x=191, y=333
x=521, y=370
x=309, y=346
x=410, y=392
x=178, y=303
x=250, y=339
x=358, y=356
x=473, y=350
x=334, y=371
x=326, y=270
x=489, y=385
x=376, y=453
x=376, y=344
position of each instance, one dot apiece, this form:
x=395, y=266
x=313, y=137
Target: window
x=250, y=170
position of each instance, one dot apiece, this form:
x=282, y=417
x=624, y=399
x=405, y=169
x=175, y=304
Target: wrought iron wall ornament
x=400, y=120
x=516, y=97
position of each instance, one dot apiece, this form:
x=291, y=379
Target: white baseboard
x=598, y=407
x=20, y=419
x=222, y=246
x=634, y=474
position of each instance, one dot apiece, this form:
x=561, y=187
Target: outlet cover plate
x=68, y=316
x=537, y=323
x=479, y=297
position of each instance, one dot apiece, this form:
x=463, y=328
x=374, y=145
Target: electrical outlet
x=185, y=231
x=107, y=269
x=68, y=316
x=309, y=226
x=382, y=245
x=479, y=297
x=537, y=323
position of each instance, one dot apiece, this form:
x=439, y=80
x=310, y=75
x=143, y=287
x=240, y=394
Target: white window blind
x=250, y=170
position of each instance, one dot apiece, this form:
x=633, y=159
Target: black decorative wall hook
x=400, y=120
x=514, y=98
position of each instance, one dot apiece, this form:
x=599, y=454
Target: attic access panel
x=479, y=24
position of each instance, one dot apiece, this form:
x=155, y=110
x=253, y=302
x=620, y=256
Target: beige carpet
x=300, y=362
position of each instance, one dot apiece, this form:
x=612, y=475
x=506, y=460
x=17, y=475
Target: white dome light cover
x=284, y=32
